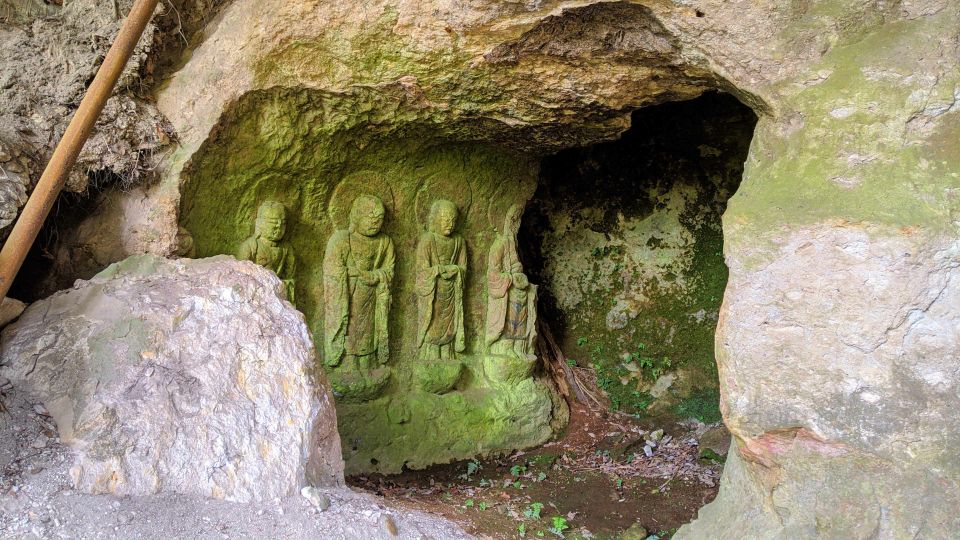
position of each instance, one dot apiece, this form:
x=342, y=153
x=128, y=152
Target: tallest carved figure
x=357, y=274
x=441, y=269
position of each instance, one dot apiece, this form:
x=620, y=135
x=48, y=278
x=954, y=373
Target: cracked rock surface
x=188, y=377
x=37, y=500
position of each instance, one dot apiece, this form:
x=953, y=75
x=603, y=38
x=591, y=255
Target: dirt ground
x=595, y=482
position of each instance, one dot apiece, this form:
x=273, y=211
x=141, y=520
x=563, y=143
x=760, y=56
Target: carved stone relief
x=358, y=268
x=418, y=305
x=511, y=307
x=267, y=248
x=357, y=275
x=441, y=267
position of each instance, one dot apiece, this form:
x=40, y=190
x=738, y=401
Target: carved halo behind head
x=439, y=187
x=499, y=214
x=351, y=187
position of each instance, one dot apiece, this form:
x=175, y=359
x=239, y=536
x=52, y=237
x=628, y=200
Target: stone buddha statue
x=441, y=266
x=358, y=270
x=266, y=246
x=511, y=299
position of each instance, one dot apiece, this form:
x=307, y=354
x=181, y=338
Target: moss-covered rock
x=280, y=145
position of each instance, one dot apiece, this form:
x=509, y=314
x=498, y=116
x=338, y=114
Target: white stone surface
x=38, y=501
x=189, y=376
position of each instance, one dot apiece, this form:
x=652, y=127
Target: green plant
x=468, y=503
x=558, y=525
x=640, y=400
x=581, y=341
x=472, y=468
x=517, y=470
x=571, y=362
x=640, y=366
x=605, y=379
x=522, y=530
x=517, y=484
x=482, y=506
x=541, y=476
x=533, y=511
x=615, y=403
x=622, y=382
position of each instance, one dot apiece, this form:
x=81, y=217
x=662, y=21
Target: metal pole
x=65, y=155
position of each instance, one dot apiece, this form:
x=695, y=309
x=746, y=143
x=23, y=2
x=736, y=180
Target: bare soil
x=597, y=478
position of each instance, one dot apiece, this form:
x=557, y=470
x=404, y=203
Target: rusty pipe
x=38, y=206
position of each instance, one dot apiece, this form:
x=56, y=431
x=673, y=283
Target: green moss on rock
x=295, y=147
x=862, y=146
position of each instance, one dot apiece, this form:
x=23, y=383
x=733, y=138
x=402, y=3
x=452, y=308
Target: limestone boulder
x=837, y=343
x=843, y=404
x=189, y=376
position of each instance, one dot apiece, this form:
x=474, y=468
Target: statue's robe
x=439, y=300
x=278, y=258
x=356, y=315
x=511, y=312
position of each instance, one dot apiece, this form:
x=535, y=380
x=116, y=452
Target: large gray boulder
x=188, y=376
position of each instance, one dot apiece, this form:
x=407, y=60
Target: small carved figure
x=511, y=299
x=441, y=266
x=357, y=274
x=266, y=246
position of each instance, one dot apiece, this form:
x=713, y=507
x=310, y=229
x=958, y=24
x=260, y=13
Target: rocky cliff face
x=856, y=106
x=836, y=346
x=51, y=51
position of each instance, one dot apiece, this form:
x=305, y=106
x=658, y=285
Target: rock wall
x=51, y=53
x=403, y=412
x=837, y=343
x=428, y=110
x=157, y=383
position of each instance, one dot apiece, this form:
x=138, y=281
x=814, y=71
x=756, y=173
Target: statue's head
x=366, y=215
x=271, y=221
x=443, y=217
x=511, y=222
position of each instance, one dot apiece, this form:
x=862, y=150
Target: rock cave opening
x=58, y=258
x=625, y=238
x=622, y=237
